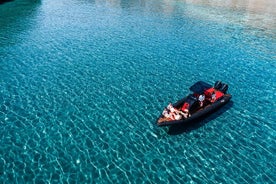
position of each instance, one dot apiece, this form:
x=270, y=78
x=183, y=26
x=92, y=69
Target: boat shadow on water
x=188, y=127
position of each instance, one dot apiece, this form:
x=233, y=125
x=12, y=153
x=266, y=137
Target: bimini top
x=199, y=87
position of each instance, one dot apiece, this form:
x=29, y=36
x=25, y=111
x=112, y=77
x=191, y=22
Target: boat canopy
x=199, y=87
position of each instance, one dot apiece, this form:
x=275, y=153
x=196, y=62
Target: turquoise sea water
x=82, y=83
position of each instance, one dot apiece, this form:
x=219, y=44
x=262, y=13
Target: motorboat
x=203, y=99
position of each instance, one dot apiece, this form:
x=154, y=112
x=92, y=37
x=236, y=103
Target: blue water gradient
x=82, y=83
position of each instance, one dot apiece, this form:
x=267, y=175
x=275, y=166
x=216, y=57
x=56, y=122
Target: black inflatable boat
x=203, y=100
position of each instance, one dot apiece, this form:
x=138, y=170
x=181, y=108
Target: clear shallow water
x=82, y=83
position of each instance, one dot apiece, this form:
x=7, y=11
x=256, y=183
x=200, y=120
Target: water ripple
x=80, y=92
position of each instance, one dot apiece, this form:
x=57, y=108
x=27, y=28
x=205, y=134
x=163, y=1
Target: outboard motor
x=224, y=88
x=218, y=85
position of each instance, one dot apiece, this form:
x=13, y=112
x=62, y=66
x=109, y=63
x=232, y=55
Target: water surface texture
x=83, y=81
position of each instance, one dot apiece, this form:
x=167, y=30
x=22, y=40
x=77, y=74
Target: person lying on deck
x=172, y=113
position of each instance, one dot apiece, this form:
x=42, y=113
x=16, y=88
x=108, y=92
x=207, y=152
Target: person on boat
x=213, y=97
x=185, y=110
x=166, y=114
x=174, y=113
x=171, y=108
x=177, y=116
x=201, y=99
x=186, y=113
